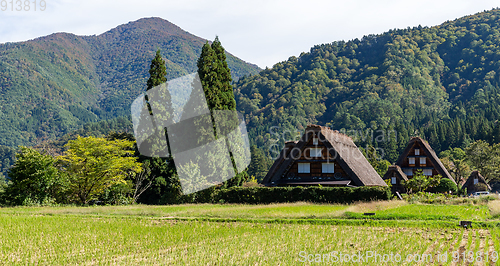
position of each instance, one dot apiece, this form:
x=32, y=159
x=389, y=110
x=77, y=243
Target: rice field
x=151, y=235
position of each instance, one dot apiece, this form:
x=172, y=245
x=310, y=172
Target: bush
x=481, y=187
x=266, y=195
x=446, y=185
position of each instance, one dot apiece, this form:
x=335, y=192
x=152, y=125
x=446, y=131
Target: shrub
x=446, y=185
x=481, y=187
x=266, y=195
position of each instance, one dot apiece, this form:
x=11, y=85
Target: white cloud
x=263, y=32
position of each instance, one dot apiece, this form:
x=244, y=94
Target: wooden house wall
x=315, y=164
x=399, y=183
x=471, y=187
x=428, y=162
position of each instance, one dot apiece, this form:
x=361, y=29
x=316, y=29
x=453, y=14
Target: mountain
x=52, y=85
x=441, y=83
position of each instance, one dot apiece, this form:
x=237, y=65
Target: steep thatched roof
x=340, y=146
x=473, y=175
x=395, y=170
x=427, y=150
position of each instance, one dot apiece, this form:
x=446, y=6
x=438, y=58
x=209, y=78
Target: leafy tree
x=419, y=182
x=34, y=179
x=485, y=158
x=455, y=161
x=94, y=164
x=165, y=187
x=376, y=160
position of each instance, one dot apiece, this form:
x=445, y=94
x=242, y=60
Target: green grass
x=209, y=234
x=430, y=212
x=69, y=240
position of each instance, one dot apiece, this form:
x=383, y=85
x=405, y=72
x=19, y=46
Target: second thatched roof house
x=418, y=155
x=322, y=157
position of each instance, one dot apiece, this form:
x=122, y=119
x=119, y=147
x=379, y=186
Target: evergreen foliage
x=157, y=72
x=441, y=83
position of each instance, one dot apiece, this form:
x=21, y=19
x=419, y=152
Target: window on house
x=315, y=141
x=428, y=172
x=304, y=168
x=315, y=152
x=393, y=181
x=422, y=160
x=476, y=181
x=411, y=160
x=328, y=168
x=408, y=172
x=417, y=151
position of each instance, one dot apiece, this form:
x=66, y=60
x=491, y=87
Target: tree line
x=109, y=169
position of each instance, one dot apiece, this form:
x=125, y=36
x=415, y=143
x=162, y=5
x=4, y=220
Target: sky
x=262, y=32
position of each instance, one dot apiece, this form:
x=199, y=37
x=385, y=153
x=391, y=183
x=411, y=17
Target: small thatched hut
x=473, y=183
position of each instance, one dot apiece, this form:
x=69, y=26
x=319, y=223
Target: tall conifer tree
x=157, y=71
x=215, y=77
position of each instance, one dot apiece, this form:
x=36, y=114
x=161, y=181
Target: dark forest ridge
x=441, y=83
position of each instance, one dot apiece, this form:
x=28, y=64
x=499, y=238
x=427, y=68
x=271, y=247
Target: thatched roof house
x=396, y=177
x=322, y=156
x=472, y=182
x=418, y=155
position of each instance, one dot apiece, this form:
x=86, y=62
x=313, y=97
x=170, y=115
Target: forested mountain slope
x=440, y=82
x=52, y=85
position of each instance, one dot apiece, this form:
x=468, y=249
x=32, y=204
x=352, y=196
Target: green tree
x=259, y=164
x=380, y=165
x=215, y=78
x=419, y=182
x=95, y=164
x=455, y=161
x=485, y=159
x=157, y=71
x=224, y=89
x=34, y=179
x=446, y=185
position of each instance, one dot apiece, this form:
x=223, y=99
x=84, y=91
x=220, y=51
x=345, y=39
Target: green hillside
x=439, y=82
x=52, y=85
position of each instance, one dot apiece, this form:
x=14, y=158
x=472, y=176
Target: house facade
x=473, y=183
x=322, y=157
x=418, y=155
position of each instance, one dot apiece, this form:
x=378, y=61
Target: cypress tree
x=166, y=187
x=157, y=72
x=207, y=67
x=215, y=77
x=226, y=93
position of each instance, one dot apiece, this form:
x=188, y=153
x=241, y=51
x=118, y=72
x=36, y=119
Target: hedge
x=266, y=195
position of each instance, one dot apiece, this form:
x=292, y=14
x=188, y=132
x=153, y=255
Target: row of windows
x=326, y=168
x=411, y=160
x=426, y=172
